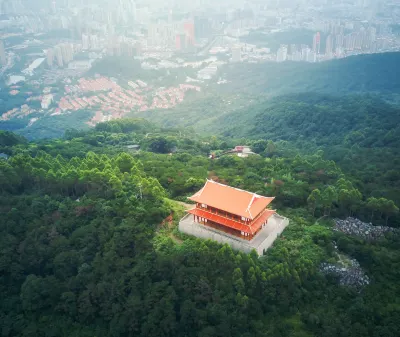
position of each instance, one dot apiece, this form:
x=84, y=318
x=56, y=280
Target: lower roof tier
x=252, y=228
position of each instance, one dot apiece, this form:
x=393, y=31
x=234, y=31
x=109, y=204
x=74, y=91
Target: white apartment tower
x=50, y=57
x=281, y=55
x=329, y=46
x=94, y=42
x=59, y=56
x=236, y=54
x=3, y=56
x=85, y=42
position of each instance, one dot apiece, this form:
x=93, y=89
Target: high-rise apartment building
x=50, y=57
x=236, y=54
x=358, y=43
x=53, y=7
x=134, y=12
x=317, y=43
x=180, y=41
x=329, y=46
x=94, y=42
x=85, y=42
x=59, y=56
x=202, y=27
x=70, y=52
x=3, y=55
x=188, y=27
x=353, y=37
x=371, y=36
x=339, y=41
x=163, y=35
x=67, y=52
x=281, y=55
x=307, y=54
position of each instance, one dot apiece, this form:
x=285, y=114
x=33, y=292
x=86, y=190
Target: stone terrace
x=261, y=242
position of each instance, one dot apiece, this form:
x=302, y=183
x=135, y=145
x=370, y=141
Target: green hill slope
x=360, y=132
x=250, y=86
x=362, y=73
x=322, y=119
x=85, y=251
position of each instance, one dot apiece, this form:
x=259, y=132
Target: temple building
x=230, y=215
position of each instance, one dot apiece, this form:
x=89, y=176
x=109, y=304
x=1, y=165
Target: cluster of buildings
x=148, y=30
x=90, y=42
x=103, y=96
x=61, y=55
x=21, y=112
x=340, y=40
x=158, y=37
x=162, y=99
x=45, y=100
x=112, y=101
x=364, y=40
x=178, y=35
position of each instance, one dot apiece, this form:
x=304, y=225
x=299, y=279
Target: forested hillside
x=89, y=244
x=360, y=133
x=251, y=86
x=357, y=74
x=365, y=120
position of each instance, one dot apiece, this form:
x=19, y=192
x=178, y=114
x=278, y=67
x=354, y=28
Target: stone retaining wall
x=263, y=240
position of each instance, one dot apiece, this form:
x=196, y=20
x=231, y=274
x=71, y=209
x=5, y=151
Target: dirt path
x=175, y=239
x=185, y=205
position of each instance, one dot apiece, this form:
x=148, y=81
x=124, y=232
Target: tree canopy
x=86, y=250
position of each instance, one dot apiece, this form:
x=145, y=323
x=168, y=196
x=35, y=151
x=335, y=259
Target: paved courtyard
x=261, y=242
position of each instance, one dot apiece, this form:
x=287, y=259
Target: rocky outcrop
x=352, y=275
x=346, y=269
x=367, y=231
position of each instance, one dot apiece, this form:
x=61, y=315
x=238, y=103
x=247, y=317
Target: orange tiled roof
x=254, y=227
x=232, y=200
x=257, y=223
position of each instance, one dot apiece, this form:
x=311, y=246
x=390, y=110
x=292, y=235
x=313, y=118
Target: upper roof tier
x=231, y=200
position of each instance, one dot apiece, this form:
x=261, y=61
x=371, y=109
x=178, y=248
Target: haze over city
x=45, y=43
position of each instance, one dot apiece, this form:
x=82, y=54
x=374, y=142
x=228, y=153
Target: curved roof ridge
x=238, y=189
x=232, y=200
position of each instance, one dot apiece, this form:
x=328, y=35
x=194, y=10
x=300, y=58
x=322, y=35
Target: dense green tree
x=314, y=200
x=373, y=205
x=387, y=207
x=329, y=196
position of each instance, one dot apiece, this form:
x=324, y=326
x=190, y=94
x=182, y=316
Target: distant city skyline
x=51, y=44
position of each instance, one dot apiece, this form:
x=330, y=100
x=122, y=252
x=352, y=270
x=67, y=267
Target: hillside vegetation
x=360, y=133
x=88, y=226
x=249, y=86
x=357, y=74
x=365, y=120
x=347, y=108
x=85, y=250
